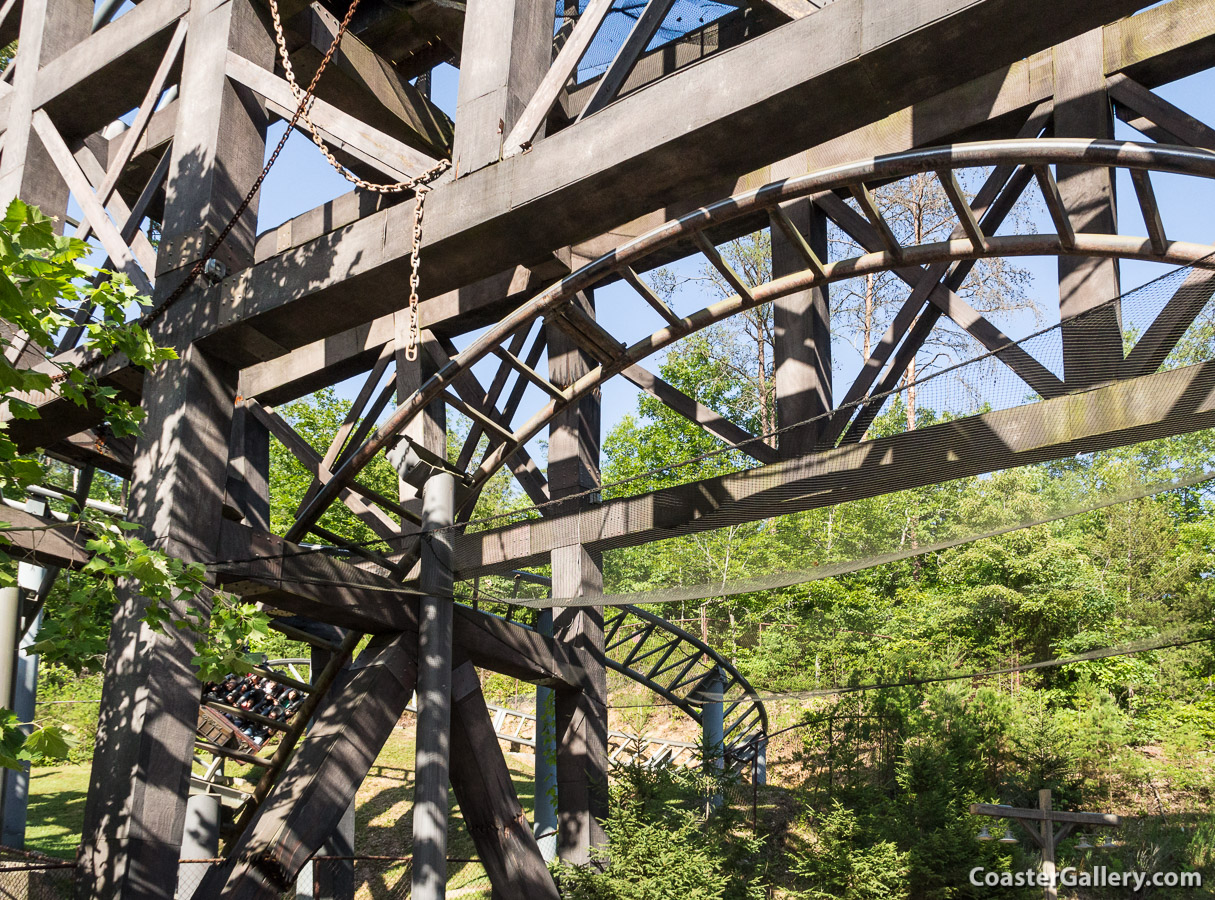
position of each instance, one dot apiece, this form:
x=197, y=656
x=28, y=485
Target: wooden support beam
x=321, y=778
x=125, y=230
x=1178, y=401
x=1178, y=125
x=130, y=137
x=801, y=328
x=248, y=487
x=48, y=29
x=712, y=422
x=1171, y=323
x=1092, y=347
x=507, y=48
x=520, y=137
x=141, y=768
x=1038, y=815
x=265, y=569
x=626, y=57
x=573, y=468
x=360, y=500
x=483, y=788
x=387, y=153
x=102, y=79
x=472, y=402
x=43, y=541
x=370, y=86
x=218, y=145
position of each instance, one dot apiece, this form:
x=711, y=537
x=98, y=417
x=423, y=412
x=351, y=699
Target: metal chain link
x=419, y=185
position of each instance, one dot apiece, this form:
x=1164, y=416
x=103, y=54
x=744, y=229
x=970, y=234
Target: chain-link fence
x=31, y=876
x=354, y=878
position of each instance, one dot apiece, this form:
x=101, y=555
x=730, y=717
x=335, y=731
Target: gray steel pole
x=199, y=840
x=434, y=691
x=545, y=823
x=713, y=725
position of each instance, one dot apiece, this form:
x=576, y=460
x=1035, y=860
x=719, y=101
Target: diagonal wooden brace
x=495, y=819
x=321, y=779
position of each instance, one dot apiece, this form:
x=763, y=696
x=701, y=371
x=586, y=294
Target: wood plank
x=1092, y=346
x=1178, y=401
x=520, y=137
x=369, y=86
x=1179, y=125
x=115, y=246
x=43, y=541
x=1037, y=815
x=626, y=57
x=506, y=48
x=130, y=138
x=265, y=569
x=141, y=766
x=715, y=424
x=390, y=155
x=1171, y=323
x=483, y=788
x=321, y=778
x=354, y=496
x=801, y=330
x=104, y=75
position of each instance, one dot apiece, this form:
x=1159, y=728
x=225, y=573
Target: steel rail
x=693, y=707
x=1030, y=152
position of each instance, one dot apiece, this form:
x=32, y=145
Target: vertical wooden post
x=1048, y=846
x=218, y=142
x=1093, y=346
x=140, y=779
x=49, y=28
x=802, y=329
x=249, y=473
x=573, y=467
x=507, y=48
x=329, y=879
x=430, y=801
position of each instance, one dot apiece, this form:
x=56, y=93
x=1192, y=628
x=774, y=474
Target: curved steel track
x=1032, y=158
x=641, y=646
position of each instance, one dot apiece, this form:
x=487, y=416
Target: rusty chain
x=419, y=185
x=305, y=97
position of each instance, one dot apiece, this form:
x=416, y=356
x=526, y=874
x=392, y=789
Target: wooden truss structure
x=561, y=182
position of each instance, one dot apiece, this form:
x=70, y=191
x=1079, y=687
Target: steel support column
x=434, y=691
x=546, y=759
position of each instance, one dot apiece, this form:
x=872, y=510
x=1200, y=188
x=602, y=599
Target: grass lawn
x=56, y=810
x=384, y=816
